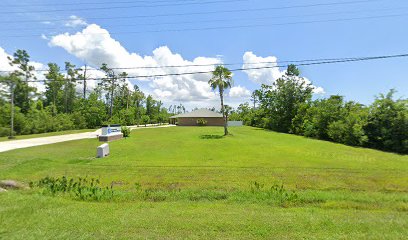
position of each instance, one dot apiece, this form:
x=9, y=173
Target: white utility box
x=102, y=151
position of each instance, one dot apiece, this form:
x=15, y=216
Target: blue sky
x=138, y=27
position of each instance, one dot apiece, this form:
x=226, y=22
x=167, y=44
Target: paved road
x=25, y=143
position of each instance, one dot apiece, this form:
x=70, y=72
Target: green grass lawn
x=49, y=134
x=188, y=182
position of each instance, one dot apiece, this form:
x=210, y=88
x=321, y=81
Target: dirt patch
x=12, y=184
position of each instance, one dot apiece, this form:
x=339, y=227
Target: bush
x=126, y=131
x=81, y=188
x=62, y=122
x=145, y=120
x=201, y=122
x=79, y=120
x=4, y=132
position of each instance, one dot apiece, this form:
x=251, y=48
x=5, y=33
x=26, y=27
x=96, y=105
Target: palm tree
x=221, y=79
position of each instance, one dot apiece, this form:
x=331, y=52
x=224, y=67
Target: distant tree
x=228, y=110
x=150, y=102
x=109, y=83
x=8, y=82
x=137, y=100
x=281, y=102
x=243, y=113
x=350, y=128
x=123, y=92
x=387, y=124
x=53, y=86
x=255, y=97
x=92, y=109
x=159, y=117
x=321, y=114
x=145, y=119
x=221, y=79
x=69, y=87
x=82, y=75
x=23, y=92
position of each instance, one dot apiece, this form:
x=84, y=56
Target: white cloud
x=5, y=66
x=75, y=21
x=95, y=46
x=4, y=62
x=261, y=76
x=268, y=75
x=239, y=92
x=318, y=90
x=38, y=75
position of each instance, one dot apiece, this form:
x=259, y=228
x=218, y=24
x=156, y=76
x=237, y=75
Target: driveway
x=25, y=143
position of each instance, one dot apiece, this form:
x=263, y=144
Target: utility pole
x=12, y=110
x=85, y=81
x=111, y=93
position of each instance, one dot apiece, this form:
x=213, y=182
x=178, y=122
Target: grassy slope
x=49, y=134
x=363, y=192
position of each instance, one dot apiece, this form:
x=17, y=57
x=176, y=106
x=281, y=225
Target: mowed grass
x=201, y=185
x=49, y=134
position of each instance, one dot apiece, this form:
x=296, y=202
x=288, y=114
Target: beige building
x=190, y=119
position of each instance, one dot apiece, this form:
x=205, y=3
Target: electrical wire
x=205, y=65
x=230, y=27
x=245, y=69
x=221, y=20
x=203, y=13
x=93, y=3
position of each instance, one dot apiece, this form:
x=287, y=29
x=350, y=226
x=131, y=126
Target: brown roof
x=200, y=113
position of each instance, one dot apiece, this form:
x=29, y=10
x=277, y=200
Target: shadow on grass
x=208, y=136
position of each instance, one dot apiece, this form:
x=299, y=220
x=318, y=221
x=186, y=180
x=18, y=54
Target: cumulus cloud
x=4, y=62
x=75, y=21
x=265, y=75
x=239, y=92
x=5, y=67
x=95, y=46
x=318, y=90
x=270, y=74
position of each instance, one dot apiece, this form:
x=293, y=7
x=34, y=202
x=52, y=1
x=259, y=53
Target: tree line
x=68, y=103
x=287, y=106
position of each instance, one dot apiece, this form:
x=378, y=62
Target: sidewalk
x=25, y=143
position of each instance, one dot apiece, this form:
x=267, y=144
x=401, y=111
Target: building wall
x=193, y=121
x=235, y=123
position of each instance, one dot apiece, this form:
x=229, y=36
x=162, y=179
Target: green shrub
x=277, y=194
x=126, y=131
x=78, y=120
x=202, y=122
x=81, y=188
x=145, y=120
x=4, y=131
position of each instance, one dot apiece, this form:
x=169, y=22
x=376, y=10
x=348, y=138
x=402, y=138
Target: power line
x=224, y=20
x=91, y=3
x=247, y=69
x=204, y=65
x=232, y=27
x=207, y=12
x=125, y=7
